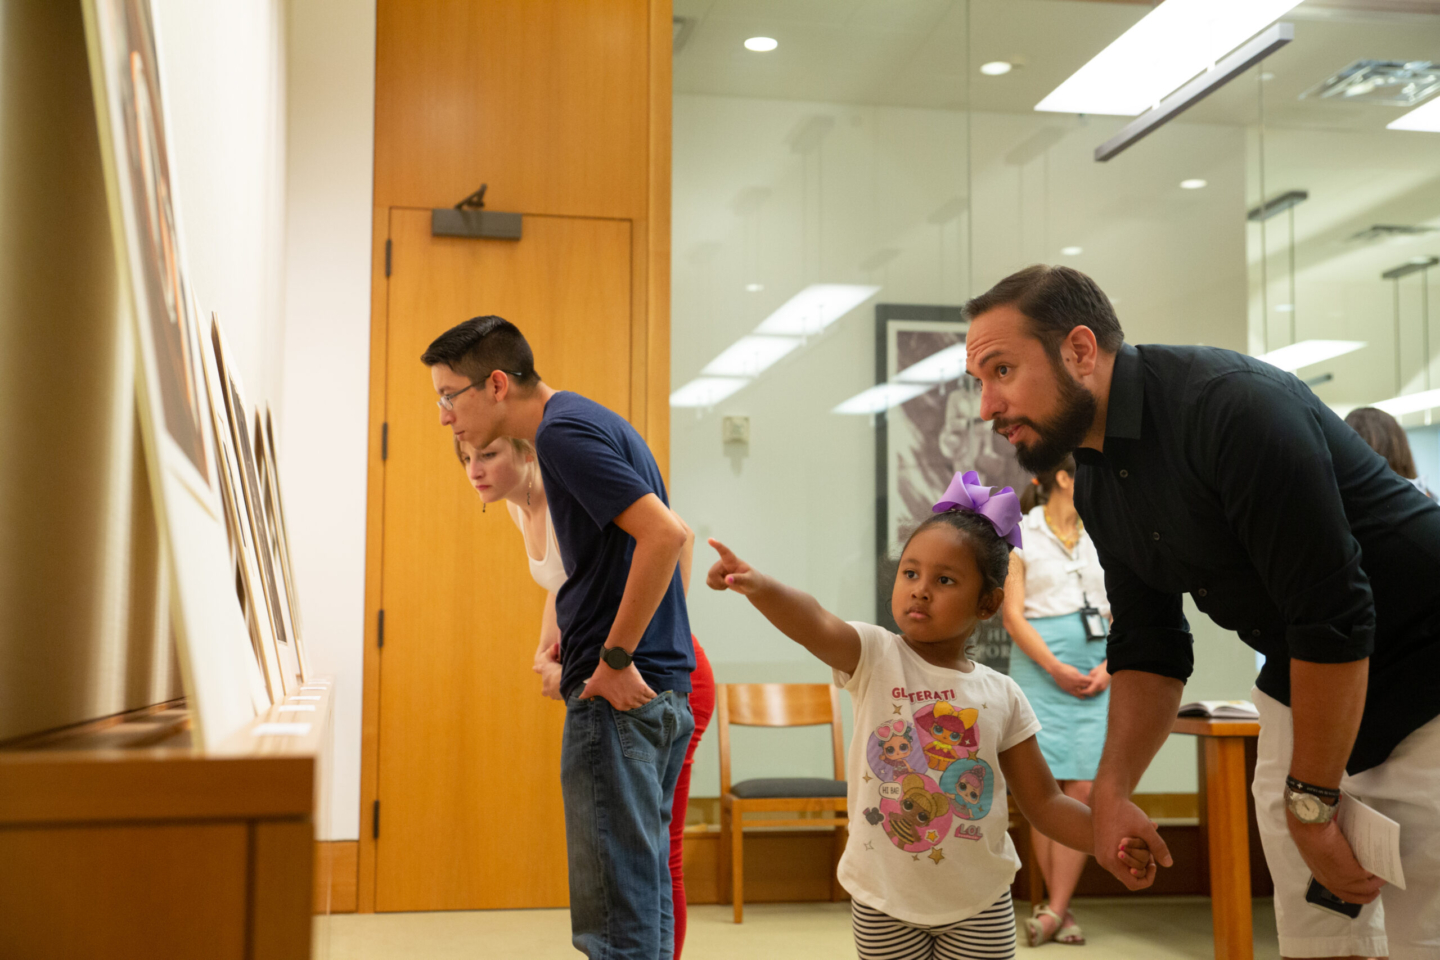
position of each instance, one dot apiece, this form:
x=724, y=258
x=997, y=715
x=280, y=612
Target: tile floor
x=1153, y=928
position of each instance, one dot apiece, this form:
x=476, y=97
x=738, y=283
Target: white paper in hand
x=1374, y=837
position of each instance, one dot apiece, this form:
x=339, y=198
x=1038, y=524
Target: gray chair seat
x=788, y=787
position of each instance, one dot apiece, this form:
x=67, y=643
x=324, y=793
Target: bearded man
x=1206, y=472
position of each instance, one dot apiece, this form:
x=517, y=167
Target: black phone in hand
x=1325, y=900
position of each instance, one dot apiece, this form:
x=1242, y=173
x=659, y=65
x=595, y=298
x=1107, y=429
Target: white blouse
x=1058, y=581
x=549, y=570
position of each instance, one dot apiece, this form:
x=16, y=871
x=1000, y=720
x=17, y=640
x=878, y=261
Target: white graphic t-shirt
x=928, y=811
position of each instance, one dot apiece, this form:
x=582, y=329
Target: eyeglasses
x=447, y=400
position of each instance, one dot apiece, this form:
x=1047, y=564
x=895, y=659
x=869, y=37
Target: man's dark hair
x=480, y=346
x=1056, y=300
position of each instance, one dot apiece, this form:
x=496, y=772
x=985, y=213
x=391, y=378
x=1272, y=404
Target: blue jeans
x=617, y=772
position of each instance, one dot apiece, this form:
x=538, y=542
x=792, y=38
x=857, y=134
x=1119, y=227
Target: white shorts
x=1401, y=924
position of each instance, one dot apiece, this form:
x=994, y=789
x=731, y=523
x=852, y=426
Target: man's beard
x=1061, y=433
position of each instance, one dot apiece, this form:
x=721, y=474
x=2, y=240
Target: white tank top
x=549, y=570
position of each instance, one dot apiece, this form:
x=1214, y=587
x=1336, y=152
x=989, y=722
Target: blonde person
x=507, y=470
x=1055, y=612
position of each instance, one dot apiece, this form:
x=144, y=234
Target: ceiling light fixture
x=706, y=391
x=754, y=287
x=1071, y=251
x=996, y=68
x=1195, y=184
x=1424, y=119
x=1394, y=83
x=1277, y=205
x=1296, y=355
x=1170, y=45
x=1410, y=403
x=751, y=356
x=881, y=397
x=815, y=308
x=761, y=44
x=940, y=367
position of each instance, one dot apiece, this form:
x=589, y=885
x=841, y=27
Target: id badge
x=1095, y=626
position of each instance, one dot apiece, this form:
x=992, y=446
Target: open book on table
x=1221, y=709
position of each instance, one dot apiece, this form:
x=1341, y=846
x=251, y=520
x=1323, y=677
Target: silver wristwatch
x=1308, y=807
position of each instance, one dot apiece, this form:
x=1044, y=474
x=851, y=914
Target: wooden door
x=469, y=752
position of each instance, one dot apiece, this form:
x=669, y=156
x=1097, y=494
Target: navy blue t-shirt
x=595, y=467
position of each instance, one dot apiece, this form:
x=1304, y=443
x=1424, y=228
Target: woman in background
x=1055, y=611
x=507, y=470
x=1386, y=437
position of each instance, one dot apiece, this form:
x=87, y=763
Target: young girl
x=929, y=863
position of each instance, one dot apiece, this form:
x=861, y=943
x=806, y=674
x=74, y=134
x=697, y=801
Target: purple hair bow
x=1002, y=509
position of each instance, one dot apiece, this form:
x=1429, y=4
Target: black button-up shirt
x=1226, y=478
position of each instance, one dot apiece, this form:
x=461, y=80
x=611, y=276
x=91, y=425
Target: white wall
x=223, y=69
x=331, y=108
x=271, y=107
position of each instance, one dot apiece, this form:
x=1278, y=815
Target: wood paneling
x=281, y=878
x=336, y=871
x=117, y=893
x=469, y=775
x=546, y=100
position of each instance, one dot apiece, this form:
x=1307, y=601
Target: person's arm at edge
x=687, y=555
x=659, y=542
x=547, y=653
x=793, y=612
x=1028, y=639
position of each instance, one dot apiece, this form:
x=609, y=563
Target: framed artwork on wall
x=279, y=532
x=922, y=442
x=216, y=658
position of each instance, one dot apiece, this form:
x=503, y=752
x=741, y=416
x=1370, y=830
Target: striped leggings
x=989, y=935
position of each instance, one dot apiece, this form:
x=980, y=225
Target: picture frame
x=251, y=593
x=281, y=536
x=158, y=304
x=922, y=443
x=266, y=590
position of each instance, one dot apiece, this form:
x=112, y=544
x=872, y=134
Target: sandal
x=1036, y=932
x=1070, y=932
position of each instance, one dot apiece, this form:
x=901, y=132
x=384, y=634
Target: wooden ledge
x=246, y=777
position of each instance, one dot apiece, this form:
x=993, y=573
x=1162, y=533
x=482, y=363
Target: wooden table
x=1226, y=760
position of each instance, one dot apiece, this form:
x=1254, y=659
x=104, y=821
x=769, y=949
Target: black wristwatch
x=615, y=657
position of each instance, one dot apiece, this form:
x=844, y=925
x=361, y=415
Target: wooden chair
x=777, y=705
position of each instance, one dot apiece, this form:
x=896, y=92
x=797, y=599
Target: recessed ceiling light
x=1071, y=251
x=754, y=287
x=996, y=68
x=761, y=44
x=1267, y=76
x=1284, y=308
x=1195, y=184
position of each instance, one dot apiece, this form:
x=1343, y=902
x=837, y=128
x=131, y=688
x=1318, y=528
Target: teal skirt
x=1072, y=730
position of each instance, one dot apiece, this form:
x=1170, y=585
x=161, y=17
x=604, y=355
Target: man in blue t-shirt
x=626, y=653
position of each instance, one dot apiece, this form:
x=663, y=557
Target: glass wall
x=839, y=197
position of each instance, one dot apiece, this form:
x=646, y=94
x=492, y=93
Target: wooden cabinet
x=118, y=841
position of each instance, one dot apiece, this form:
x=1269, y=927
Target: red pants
x=702, y=705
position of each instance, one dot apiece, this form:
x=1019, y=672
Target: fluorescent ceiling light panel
x=1171, y=44
x=761, y=44
x=940, y=367
x=706, y=391
x=880, y=398
x=750, y=356
x=996, y=68
x=1410, y=403
x=815, y=308
x=1424, y=119
x=1308, y=352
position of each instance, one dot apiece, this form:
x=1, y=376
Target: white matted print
x=214, y=652
x=279, y=532
x=922, y=443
